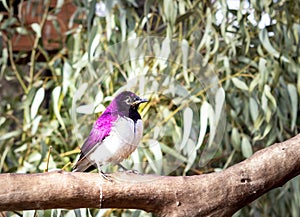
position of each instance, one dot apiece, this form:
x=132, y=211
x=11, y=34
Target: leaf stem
x=13, y=65
x=36, y=43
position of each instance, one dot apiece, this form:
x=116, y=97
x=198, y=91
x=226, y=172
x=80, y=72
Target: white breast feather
x=122, y=141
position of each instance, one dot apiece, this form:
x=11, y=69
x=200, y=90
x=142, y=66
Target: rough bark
x=214, y=194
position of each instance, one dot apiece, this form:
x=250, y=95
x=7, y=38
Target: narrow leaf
x=253, y=109
x=56, y=105
x=294, y=103
x=239, y=84
x=246, y=147
x=187, y=125
x=38, y=99
x=203, y=123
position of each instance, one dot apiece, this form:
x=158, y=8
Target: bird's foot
x=129, y=171
x=106, y=176
x=132, y=172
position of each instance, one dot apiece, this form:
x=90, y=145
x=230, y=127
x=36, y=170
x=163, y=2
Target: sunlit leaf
x=38, y=99
x=187, y=118
x=173, y=152
x=80, y=91
x=95, y=40
x=29, y=213
x=246, y=147
x=264, y=38
x=185, y=50
x=2, y=120
x=219, y=107
x=37, y=29
x=57, y=104
x=10, y=135
x=294, y=104
x=155, y=148
x=85, y=109
x=253, y=109
x=191, y=158
x=267, y=91
x=239, y=84
x=35, y=124
x=236, y=139
x=204, y=112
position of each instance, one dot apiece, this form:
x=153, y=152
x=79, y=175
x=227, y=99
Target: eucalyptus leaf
x=57, y=104
x=10, y=134
x=155, y=148
x=35, y=124
x=267, y=91
x=219, y=105
x=37, y=29
x=37, y=101
x=294, y=104
x=236, y=139
x=253, y=106
x=264, y=38
x=187, y=118
x=246, y=147
x=205, y=110
x=240, y=84
x=29, y=213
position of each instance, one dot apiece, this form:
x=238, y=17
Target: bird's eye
x=128, y=100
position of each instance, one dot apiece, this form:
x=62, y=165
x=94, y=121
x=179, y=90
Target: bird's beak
x=139, y=101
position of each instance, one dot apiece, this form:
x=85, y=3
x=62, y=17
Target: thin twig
x=13, y=65
x=36, y=43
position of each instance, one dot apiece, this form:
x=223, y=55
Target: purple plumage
x=115, y=134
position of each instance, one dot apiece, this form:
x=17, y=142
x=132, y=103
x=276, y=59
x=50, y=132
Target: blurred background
x=227, y=87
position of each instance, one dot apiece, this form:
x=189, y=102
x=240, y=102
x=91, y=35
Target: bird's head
x=127, y=101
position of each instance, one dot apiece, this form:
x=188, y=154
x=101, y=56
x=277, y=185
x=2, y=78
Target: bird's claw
x=106, y=176
x=132, y=171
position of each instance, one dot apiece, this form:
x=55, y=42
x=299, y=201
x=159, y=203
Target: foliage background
x=257, y=63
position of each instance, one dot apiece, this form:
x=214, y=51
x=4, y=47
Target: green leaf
x=123, y=23
x=85, y=109
x=264, y=38
x=155, y=149
x=56, y=105
x=67, y=79
x=11, y=134
x=94, y=42
x=253, y=109
x=239, y=84
x=191, y=158
x=294, y=104
x=204, y=111
x=219, y=106
x=80, y=91
x=173, y=152
x=246, y=147
x=2, y=120
x=35, y=124
x=22, y=30
x=29, y=213
x=267, y=91
x=187, y=126
x=267, y=130
x=236, y=139
x=37, y=29
x=37, y=101
x=185, y=54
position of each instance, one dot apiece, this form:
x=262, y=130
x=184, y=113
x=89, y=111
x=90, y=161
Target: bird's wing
x=101, y=129
x=99, y=132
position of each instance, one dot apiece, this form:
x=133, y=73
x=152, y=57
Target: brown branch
x=215, y=194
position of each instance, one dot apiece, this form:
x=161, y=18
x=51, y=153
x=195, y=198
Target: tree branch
x=215, y=194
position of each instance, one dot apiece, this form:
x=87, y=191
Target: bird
x=115, y=134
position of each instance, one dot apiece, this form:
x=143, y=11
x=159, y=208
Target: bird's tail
x=84, y=165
